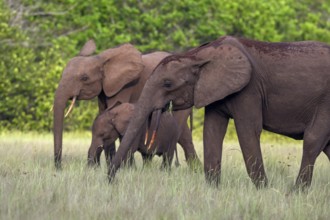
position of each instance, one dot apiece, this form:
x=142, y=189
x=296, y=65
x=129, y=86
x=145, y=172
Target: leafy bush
x=38, y=38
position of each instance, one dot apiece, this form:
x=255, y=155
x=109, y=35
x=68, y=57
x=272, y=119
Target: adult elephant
x=115, y=76
x=281, y=87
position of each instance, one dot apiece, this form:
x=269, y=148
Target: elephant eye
x=84, y=77
x=167, y=83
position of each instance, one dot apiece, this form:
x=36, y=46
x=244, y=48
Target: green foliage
x=26, y=80
x=37, y=38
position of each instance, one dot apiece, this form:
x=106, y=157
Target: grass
x=30, y=188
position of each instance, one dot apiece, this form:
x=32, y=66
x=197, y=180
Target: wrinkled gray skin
x=112, y=124
x=115, y=76
x=280, y=87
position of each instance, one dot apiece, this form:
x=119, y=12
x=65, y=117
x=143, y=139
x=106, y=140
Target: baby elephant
x=112, y=123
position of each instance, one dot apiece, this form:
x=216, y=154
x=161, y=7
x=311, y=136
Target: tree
x=37, y=39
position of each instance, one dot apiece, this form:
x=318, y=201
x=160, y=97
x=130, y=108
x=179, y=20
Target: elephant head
x=198, y=77
x=87, y=76
x=107, y=127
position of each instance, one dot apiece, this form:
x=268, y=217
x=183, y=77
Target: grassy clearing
x=30, y=188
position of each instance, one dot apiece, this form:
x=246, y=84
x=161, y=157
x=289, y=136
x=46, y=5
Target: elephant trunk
x=142, y=111
x=59, y=106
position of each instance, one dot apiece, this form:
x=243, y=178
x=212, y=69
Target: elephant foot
x=58, y=166
x=213, y=179
x=111, y=174
x=300, y=187
x=93, y=165
x=165, y=167
x=261, y=183
x=93, y=162
x=296, y=189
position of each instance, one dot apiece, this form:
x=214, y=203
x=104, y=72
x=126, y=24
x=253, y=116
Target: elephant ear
x=227, y=71
x=88, y=49
x=123, y=66
x=122, y=116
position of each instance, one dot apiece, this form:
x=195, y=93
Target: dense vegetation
x=37, y=38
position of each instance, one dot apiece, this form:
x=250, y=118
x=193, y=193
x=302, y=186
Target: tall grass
x=30, y=187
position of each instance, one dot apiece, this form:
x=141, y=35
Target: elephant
x=112, y=123
x=282, y=87
x=115, y=76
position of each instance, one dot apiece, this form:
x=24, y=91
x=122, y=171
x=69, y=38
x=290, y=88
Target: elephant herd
x=281, y=87
x=116, y=76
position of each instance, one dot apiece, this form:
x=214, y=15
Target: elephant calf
x=112, y=123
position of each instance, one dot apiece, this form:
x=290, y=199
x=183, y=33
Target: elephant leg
x=185, y=138
x=130, y=161
x=215, y=127
x=94, y=155
x=315, y=140
x=167, y=161
x=248, y=132
x=311, y=149
x=168, y=156
x=177, y=163
x=109, y=151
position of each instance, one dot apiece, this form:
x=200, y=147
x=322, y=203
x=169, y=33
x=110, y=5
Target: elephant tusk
x=71, y=106
x=152, y=140
x=51, y=108
x=146, y=137
x=153, y=136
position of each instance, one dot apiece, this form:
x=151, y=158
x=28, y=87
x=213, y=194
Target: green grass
x=30, y=188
